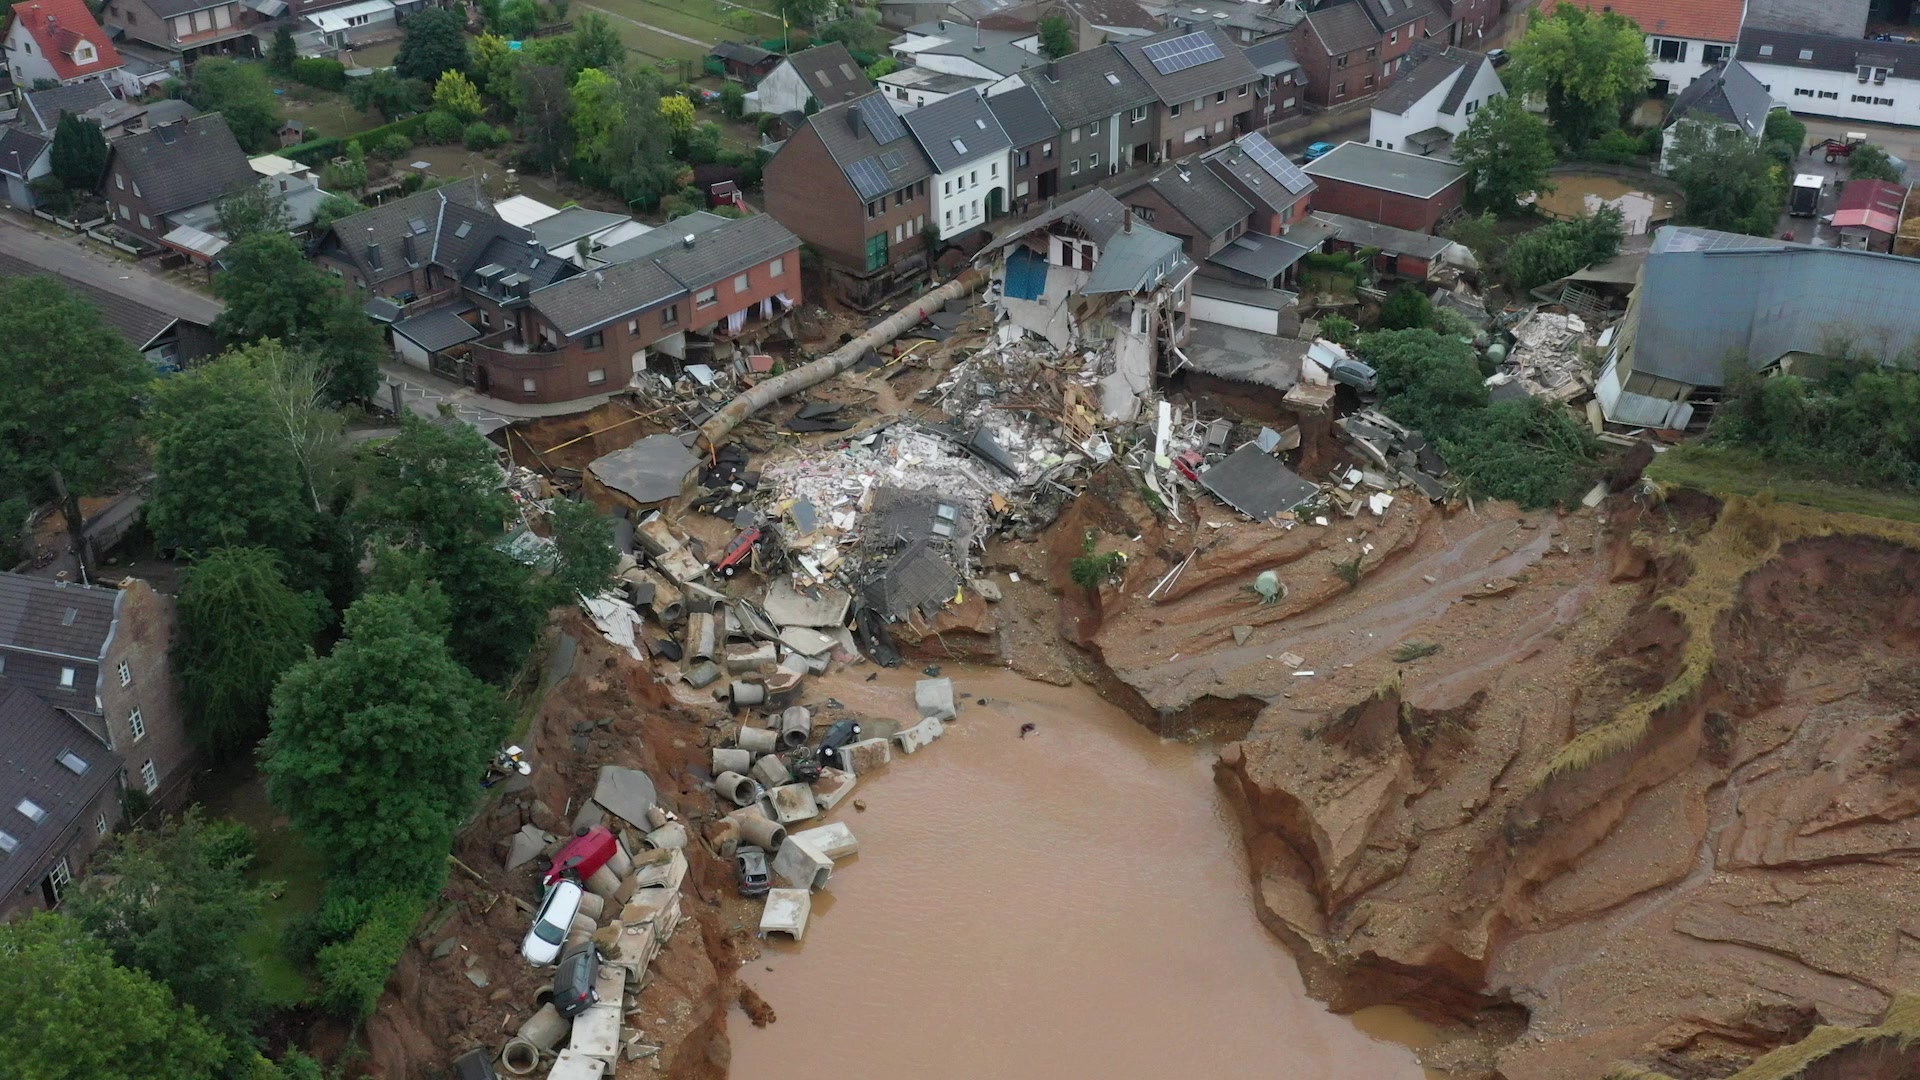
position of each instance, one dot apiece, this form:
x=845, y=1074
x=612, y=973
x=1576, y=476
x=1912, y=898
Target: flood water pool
x=1072, y=904
x=1579, y=193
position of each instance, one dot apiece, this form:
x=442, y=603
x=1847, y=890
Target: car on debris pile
x=750, y=866
x=837, y=736
x=573, y=980
x=1350, y=372
x=542, y=943
x=581, y=856
x=1190, y=464
x=739, y=553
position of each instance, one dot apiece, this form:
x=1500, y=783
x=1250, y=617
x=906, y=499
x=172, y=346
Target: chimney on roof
x=855, y=121
x=373, y=249
x=1053, y=71
x=406, y=248
x=1126, y=226
x=687, y=241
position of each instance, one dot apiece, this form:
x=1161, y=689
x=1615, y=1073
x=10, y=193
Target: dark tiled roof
x=183, y=165
x=1729, y=93
x=900, y=160
x=34, y=741
x=1121, y=13
x=46, y=626
x=1845, y=18
x=1343, y=28
x=1470, y=64
x=136, y=322
x=513, y=253
x=1825, y=53
x=742, y=53
x=1090, y=85
x=439, y=328
x=831, y=73
x=719, y=254
x=1237, y=162
x=167, y=9
x=1426, y=70
x=46, y=106
x=1023, y=116
x=391, y=223
x=1272, y=56
x=1231, y=70
x=1200, y=196
x=1389, y=14
x=581, y=303
x=956, y=130
x=18, y=140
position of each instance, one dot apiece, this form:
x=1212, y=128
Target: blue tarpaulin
x=1026, y=274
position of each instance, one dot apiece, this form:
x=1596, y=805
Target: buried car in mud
x=840, y=734
x=542, y=943
x=750, y=866
x=582, y=856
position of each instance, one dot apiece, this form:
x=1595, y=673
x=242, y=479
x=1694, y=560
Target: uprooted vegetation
x=1884, y=1051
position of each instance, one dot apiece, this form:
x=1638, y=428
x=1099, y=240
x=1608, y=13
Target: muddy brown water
x=1072, y=904
x=1577, y=193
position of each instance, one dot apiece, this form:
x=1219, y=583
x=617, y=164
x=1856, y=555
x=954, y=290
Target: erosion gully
x=1071, y=903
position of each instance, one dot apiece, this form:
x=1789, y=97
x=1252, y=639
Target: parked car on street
x=1319, y=150
x=573, y=980
x=542, y=943
x=1498, y=57
x=1350, y=372
x=750, y=866
x=582, y=855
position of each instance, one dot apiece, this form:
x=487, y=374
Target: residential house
x=167, y=341
x=1470, y=20
x=41, y=110
x=347, y=24
x=853, y=182
x=95, y=656
x=1187, y=201
x=183, y=29
x=1032, y=139
x=968, y=149
x=972, y=51
x=1389, y=187
x=1276, y=232
x=989, y=14
x=1285, y=79
x=1104, y=110
x=1247, y=21
x=1098, y=22
x=1206, y=93
x=291, y=185
x=1354, y=49
x=821, y=76
x=910, y=88
x=58, y=41
x=1727, y=98
x=24, y=157
x=394, y=250
x=1704, y=297
x=165, y=171
x=1685, y=38
x=1398, y=252
x=700, y=288
x=1868, y=216
x=1088, y=273
x=743, y=62
x=1845, y=78
x=1434, y=98
x=1836, y=18
x=576, y=233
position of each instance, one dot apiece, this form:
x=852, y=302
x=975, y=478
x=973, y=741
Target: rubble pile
x=1547, y=358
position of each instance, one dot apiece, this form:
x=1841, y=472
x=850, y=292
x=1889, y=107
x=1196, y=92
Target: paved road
x=83, y=262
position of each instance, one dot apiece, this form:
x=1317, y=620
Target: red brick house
x=171, y=169
x=1387, y=187
x=1355, y=49
x=1230, y=210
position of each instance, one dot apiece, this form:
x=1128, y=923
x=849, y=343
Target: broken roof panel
x=651, y=470
x=1257, y=484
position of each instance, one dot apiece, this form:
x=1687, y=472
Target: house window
x=125, y=212
x=740, y=283
x=1289, y=103
x=100, y=820
x=1243, y=90
x=1093, y=128
x=138, y=724
x=1138, y=114
x=7, y=843
x=1669, y=51
x=706, y=298
x=1173, y=110
x=777, y=267
x=146, y=222
x=946, y=187
x=126, y=674
x=1220, y=98
x=1766, y=50
x=900, y=197
x=1373, y=51
x=1074, y=135
x=597, y=375
x=1800, y=92
x=150, y=776
x=1393, y=37
x=1025, y=159
x=974, y=178
x=633, y=326
x=67, y=676
x=670, y=315
x=1199, y=103
x=486, y=318
x=61, y=876
x=73, y=762
x=1144, y=213
x=1366, y=83
x=528, y=386
x=1472, y=105
x=872, y=210
x=1046, y=151
x=949, y=219
x=1713, y=54
x=1093, y=161
x=120, y=181
x=1340, y=62
x=1073, y=167
x=993, y=168
x=1339, y=91
x=595, y=341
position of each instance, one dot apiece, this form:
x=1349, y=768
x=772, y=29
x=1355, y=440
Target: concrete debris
x=832, y=786
x=820, y=607
x=793, y=802
x=526, y=845
x=625, y=793
x=934, y=698
x=1242, y=634
x=731, y=760
x=805, y=641
x=1547, y=358
x=802, y=866
x=786, y=912
x=771, y=771
x=1396, y=453
x=867, y=755
x=912, y=739
x=835, y=841
x=617, y=620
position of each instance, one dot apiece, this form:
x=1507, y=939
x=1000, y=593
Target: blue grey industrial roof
x=1705, y=295
x=440, y=328
x=1728, y=93
x=956, y=130
x=1023, y=116
x=1386, y=170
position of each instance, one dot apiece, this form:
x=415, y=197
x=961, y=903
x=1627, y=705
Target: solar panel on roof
x=869, y=179
x=1182, y=53
x=893, y=159
x=882, y=121
x=1277, y=166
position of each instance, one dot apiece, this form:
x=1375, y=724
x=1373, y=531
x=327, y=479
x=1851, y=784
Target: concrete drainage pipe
x=756, y=740
x=746, y=693
x=543, y=1030
x=762, y=833
x=520, y=1057
x=796, y=727
x=743, y=790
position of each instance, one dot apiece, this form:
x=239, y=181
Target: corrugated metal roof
x=1260, y=256
x=1845, y=18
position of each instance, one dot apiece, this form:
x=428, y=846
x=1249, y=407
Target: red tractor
x=1835, y=149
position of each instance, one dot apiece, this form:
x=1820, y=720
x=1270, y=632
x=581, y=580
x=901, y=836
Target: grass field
x=1721, y=471
x=706, y=22
x=279, y=857
x=326, y=114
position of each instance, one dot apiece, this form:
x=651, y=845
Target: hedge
x=320, y=72
x=318, y=152
x=354, y=972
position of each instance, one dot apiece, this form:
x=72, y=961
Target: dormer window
x=83, y=54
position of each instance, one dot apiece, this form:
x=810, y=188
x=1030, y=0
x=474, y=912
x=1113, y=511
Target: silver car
x=1353, y=373
x=549, y=932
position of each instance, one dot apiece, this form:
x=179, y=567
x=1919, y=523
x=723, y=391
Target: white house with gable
x=1845, y=78
x=969, y=150
x=1436, y=95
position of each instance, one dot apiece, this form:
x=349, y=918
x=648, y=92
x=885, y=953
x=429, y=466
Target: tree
x=805, y=12
x=240, y=93
x=350, y=173
x=1588, y=68
x=1056, y=37
x=733, y=101
x=1867, y=162
x=1553, y=251
x=1406, y=309
x=70, y=389
x=1529, y=451
x=1426, y=381
x=388, y=94
x=519, y=19
x=677, y=111
x=241, y=628
x=859, y=31
x=376, y=749
x=583, y=541
x=1506, y=152
x=594, y=43
x=598, y=109
x=1479, y=234
x=493, y=67
x=435, y=41
x=332, y=208
x=544, y=105
x=272, y=291
x=171, y=903
x=1731, y=182
x=68, y=1012
x=1784, y=136
x=282, y=53
x=456, y=94
x=252, y=210
x=79, y=153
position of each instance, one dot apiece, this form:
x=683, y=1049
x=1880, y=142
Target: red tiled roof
x=1701, y=20
x=58, y=27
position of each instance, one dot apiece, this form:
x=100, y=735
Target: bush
x=1530, y=451
x=442, y=127
x=478, y=136
x=1407, y=309
x=1554, y=251
x=354, y=972
x=229, y=845
x=1616, y=147
x=320, y=72
x=392, y=147
x=1338, y=329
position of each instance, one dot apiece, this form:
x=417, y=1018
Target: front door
x=876, y=251
x=1047, y=184
x=996, y=203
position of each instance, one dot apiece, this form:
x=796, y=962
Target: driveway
x=73, y=258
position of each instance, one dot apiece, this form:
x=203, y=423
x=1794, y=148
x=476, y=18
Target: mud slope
x=1736, y=869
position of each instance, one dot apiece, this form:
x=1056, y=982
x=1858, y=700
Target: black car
x=837, y=736
x=573, y=980
x=1498, y=57
x=750, y=863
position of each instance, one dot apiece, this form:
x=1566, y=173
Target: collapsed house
x=1088, y=278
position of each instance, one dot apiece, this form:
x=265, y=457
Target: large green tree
x=70, y=390
x=272, y=291
x=1551, y=252
x=543, y=102
x=388, y=94
x=1869, y=162
x=1506, y=152
x=435, y=41
x=642, y=168
x=79, y=152
x=1426, y=381
x=377, y=749
x=1731, y=182
x=239, y=92
x=583, y=543
x=68, y=1012
x=1588, y=68
x=173, y=903
x=241, y=628
x=1056, y=37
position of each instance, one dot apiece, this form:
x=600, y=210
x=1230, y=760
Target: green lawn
x=1723, y=471
x=326, y=114
x=281, y=858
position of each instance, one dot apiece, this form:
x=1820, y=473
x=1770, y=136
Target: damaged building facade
x=1087, y=277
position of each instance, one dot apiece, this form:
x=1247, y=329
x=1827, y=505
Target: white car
x=549, y=933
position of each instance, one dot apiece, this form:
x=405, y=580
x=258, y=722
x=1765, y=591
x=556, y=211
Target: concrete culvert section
x=796, y=727
x=742, y=790
x=520, y=1057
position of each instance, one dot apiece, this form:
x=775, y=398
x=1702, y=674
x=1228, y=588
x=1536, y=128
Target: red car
x=1189, y=462
x=582, y=855
x=738, y=553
